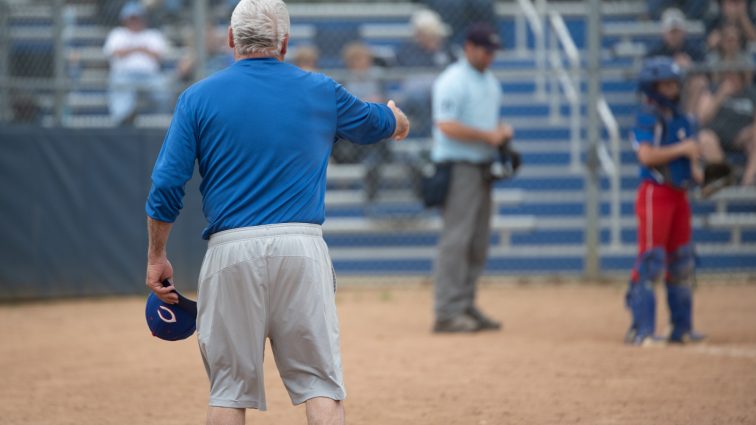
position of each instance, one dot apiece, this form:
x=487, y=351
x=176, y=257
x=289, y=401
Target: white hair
x=260, y=26
x=427, y=21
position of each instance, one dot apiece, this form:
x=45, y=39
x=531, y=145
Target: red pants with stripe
x=664, y=219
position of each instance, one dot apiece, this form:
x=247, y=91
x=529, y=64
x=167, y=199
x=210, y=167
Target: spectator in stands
x=364, y=78
x=727, y=112
x=693, y=9
x=731, y=52
x=459, y=14
x=467, y=135
x=734, y=12
x=674, y=42
x=684, y=52
x=135, y=53
x=306, y=57
x=727, y=116
x=427, y=49
x=364, y=81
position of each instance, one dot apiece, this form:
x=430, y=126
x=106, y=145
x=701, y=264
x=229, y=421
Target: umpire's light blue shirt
x=261, y=132
x=463, y=94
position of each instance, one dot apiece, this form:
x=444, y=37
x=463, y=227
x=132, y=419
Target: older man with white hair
x=261, y=132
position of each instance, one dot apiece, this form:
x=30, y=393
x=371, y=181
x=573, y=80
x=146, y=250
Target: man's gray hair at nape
x=260, y=26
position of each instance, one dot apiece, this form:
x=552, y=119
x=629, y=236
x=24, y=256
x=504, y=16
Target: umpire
x=467, y=134
x=261, y=132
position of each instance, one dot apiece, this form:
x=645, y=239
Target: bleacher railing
x=533, y=16
x=610, y=163
x=560, y=43
x=569, y=82
x=559, y=40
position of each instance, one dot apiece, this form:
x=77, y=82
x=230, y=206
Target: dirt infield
x=559, y=360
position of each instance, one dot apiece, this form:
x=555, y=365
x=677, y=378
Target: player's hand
x=507, y=132
x=157, y=271
x=402, y=123
x=502, y=134
x=697, y=172
x=691, y=149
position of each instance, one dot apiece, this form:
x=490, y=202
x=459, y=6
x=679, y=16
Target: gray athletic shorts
x=275, y=282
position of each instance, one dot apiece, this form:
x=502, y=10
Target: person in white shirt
x=135, y=53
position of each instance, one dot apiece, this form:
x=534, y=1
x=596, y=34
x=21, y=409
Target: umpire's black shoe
x=484, y=322
x=457, y=324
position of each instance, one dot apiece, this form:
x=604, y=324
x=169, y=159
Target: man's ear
x=231, y=38
x=285, y=46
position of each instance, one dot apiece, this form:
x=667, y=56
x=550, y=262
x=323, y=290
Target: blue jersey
x=261, y=132
x=659, y=131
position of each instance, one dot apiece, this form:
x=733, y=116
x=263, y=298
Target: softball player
x=667, y=151
x=261, y=132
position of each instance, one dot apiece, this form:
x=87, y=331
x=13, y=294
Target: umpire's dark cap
x=483, y=35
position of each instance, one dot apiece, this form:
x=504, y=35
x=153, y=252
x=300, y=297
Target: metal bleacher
x=544, y=205
x=540, y=219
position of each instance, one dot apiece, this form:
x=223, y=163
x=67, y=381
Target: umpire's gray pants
x=463, y=247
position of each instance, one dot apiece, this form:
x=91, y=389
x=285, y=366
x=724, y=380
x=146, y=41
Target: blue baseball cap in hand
x=171, y=322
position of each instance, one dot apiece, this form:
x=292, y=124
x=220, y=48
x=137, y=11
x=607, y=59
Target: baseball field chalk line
x=726, y=351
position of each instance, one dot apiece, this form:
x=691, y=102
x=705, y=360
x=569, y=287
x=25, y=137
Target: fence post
x=201, y=22
x=592, y=218
x=59, y=61
x=5, y=114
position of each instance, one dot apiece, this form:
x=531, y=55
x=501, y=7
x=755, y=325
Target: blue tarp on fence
x=73, y=221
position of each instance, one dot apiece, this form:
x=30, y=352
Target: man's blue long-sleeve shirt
x=262, y=132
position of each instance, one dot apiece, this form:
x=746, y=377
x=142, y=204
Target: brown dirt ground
x=559, y=360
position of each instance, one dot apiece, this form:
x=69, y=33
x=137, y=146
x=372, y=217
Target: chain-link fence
x=58, y=63
x=60, y=56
